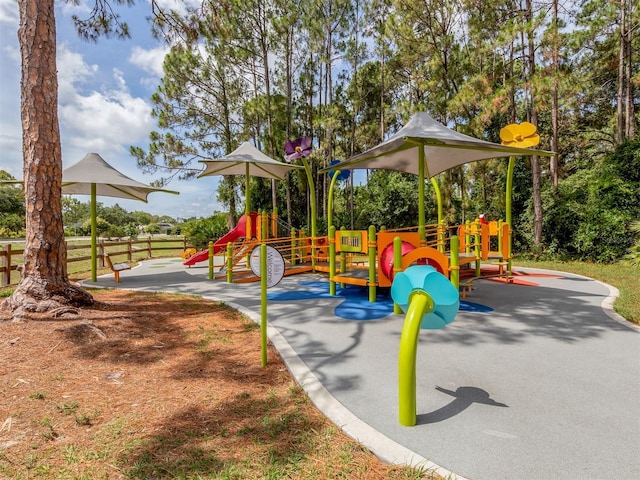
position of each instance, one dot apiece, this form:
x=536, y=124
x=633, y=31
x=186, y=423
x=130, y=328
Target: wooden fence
x=142, y=249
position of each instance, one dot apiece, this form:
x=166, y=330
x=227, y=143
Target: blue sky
x=104, y=107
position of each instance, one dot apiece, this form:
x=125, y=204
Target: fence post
x=101, y=253
x=129, y=249
x=5, y=278
x=211, y=275
x=149, y=246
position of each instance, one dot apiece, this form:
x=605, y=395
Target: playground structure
x=363, y=257
x=369, y=258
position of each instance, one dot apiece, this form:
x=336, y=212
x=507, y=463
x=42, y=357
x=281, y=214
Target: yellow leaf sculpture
x=522, y=135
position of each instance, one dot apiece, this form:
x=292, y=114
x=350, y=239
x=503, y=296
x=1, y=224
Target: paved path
x=528, y=382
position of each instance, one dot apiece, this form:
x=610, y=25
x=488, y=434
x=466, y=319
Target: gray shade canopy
x=427, y=140
x=109, y=182
x=247, y=160
x=94, y=176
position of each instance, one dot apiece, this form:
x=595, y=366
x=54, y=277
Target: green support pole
x=332, y=259
x=372, y=263
x=263, y=303
x=421, y=231
x=247, y=204
x=420, y=302
x=94, y=235
x=397, y=266
x=210, y=260
x=454, y=268
x=229, y=262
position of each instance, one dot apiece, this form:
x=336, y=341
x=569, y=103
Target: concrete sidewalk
x=528, y=382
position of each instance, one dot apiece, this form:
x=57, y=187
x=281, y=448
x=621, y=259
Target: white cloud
x=9, y=12
x=179, y=6
x=72, y=72
x=102, y=118
x=106, y=120
x=150, y=61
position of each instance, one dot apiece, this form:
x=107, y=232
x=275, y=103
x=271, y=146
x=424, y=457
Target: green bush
x=589, y=217
x=200, y=232
x=152, y=228
x=102, y=226
x=633, y=256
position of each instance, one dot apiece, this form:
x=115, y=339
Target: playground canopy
x=426, y=148
x=247, y=160
x=94, y=176
x=426, y=145
x=79, y=178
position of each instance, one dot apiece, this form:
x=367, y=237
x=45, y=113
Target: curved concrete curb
x=382, y=447
x=607, y=303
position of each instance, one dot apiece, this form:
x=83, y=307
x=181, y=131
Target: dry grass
x=161, y=386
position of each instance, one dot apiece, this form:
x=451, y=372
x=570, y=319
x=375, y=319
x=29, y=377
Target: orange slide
x=236, y=233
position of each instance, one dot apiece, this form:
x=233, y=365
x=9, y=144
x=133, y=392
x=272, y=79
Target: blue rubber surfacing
x=355, y=304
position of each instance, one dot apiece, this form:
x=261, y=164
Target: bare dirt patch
x=160, y=386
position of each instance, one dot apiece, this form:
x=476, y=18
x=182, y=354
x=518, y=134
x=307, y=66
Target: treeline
x=111, y=222
x=349, y=73
x=114, y=221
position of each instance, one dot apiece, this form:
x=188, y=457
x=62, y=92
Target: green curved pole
x=330, y=200
x=94, y=234
x=509, y=192
x=508, y=197
x=436, y=187
x=420, y=302
x=312, y=199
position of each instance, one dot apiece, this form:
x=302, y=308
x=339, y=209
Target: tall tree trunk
x=44, y=284
x=622, y=87
x=289, y=94
x=553, y=167
x=630, y=130
x=533, y=118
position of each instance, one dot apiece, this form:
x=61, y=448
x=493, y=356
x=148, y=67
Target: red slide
x=239, y=231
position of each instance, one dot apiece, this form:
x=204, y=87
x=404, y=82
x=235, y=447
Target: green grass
x=81, y=269
x=625, y=278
